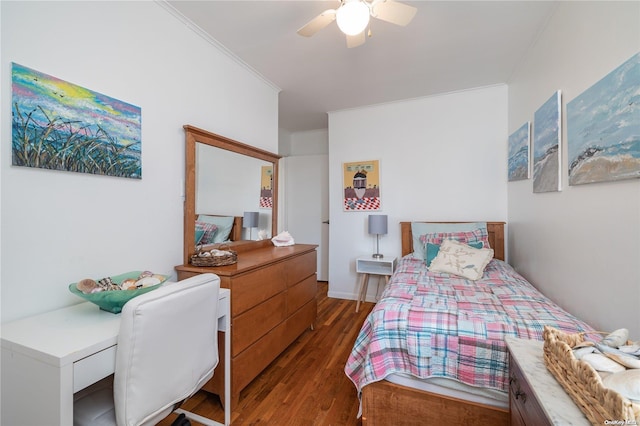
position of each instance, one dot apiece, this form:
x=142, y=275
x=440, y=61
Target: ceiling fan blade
x=393, y=12
x=356, y=40
x=318, y=23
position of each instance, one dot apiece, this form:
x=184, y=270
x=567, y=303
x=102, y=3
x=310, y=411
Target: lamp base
x=377, y=256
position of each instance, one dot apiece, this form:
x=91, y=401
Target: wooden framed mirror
x=217, y=175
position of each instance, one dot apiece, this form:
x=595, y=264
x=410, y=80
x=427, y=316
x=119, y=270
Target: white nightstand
x=367, y=265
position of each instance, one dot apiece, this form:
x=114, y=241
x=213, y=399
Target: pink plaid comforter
x=431, y=324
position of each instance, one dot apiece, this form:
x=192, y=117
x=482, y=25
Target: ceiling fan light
x=352, y=17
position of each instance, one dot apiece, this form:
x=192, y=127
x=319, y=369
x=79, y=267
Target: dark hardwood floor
x=306, y=384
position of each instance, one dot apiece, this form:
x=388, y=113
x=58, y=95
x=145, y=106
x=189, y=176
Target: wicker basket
x=583, y=383
x=227, y=259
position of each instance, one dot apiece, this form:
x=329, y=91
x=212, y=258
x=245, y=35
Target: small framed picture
x=361, y=183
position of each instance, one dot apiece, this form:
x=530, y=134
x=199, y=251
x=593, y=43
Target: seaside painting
x=518, y=165
x=546, y=145
x=58, y=125
x=603, y=128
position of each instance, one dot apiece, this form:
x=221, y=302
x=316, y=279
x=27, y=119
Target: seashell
x=580, y=352
x=604, y=374
x=107, y=284
x=160, y=277
x=601, y=363
x=204, y=254
x=633, y=349
x=86, y=285
x=145, y=274
x=147, y=282
x=628, y=360
x=128, y=284
x=626, y=383
x=584, y=344
x=616, y=338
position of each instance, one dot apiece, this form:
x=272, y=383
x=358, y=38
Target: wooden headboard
x=495, y=230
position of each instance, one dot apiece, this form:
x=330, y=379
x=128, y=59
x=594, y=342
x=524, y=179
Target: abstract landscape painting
x=546, y=145
x=519, y=153
x=603, y=128
x=60, y=126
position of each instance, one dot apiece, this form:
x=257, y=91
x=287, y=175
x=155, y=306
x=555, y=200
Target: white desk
x=46, y=358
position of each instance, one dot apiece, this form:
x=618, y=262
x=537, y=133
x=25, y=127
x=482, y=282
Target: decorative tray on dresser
x=273, y=301
x=535, y=397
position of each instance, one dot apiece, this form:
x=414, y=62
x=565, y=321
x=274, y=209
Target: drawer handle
x=520, y=394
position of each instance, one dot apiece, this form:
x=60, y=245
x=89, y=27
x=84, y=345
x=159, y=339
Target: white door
x=307, y=198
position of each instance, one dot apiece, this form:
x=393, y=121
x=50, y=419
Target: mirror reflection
x=224, y=179
x=230, y=184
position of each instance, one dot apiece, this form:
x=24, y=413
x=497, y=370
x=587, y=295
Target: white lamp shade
x=250, y=219
x=352, y=17
x=378, y=224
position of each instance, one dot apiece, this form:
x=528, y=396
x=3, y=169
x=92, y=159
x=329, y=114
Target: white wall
x=59, y=227
x=581, y=246
x=441, y=158
x=305, y=190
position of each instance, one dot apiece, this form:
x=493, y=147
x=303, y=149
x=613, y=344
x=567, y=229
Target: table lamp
x=378, y=226
x=250, y=220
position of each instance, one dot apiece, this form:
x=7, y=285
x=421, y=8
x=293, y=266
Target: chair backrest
x=167, y=348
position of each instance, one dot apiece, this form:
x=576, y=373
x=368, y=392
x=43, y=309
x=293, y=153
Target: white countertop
x=556, y=403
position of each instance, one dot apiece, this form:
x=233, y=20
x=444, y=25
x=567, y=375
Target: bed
x=432, y=350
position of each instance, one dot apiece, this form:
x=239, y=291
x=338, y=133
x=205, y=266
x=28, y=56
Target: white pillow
x=460, y=259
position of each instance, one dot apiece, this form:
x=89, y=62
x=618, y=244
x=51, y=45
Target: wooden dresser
x=273, y=301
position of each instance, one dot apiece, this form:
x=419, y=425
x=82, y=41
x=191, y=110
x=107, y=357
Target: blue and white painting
x=58, y=125
x=603, y=128
x=519, y=153
x=546, y=145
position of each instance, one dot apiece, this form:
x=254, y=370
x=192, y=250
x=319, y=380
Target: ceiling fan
x=352, y=17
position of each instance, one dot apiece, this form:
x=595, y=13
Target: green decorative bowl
x=113, y=301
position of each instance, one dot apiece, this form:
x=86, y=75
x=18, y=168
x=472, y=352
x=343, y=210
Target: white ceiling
x=449, y=46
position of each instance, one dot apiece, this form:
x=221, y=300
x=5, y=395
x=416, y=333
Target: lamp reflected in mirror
x=250, y=220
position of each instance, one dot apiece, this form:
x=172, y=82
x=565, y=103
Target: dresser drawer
x=301, y=320
x=522, y=400
x=300, y=267
x=301, y=293
x=250, y=289
x=256, y=322
x=256, y=357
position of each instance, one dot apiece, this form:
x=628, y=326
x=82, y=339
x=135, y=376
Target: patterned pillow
x=209, y=232
x=477, y=235
x=433, y=250
x=460, y=259
x=423, y=228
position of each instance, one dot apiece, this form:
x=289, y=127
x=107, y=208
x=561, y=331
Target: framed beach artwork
x=266, y=185
x=58, y=125
x=547, y=133
x=361, y=183
x=519, y=141
x=603, y=128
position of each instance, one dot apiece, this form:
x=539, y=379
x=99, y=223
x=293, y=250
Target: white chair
x=167, y=350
